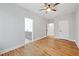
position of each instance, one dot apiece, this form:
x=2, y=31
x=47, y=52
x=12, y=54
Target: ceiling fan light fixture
x=48, y=10
x=49, y=7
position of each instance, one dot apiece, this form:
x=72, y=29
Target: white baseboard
x=18, y=46
x=13, y=48
x=35, y=40
x=71, y=40
x=77, y=44
x=38, y=38
x=65, y=38
x=10, y=49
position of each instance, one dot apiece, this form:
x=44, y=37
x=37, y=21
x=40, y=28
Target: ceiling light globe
x=48, y=9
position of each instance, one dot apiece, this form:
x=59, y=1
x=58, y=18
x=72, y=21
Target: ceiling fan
x=49, y=7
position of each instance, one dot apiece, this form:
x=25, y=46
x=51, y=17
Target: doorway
x=28, y=30
x=50, y=29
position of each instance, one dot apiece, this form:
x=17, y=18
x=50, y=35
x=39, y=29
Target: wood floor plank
x=48, y=46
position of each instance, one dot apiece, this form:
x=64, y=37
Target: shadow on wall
x=28, y=35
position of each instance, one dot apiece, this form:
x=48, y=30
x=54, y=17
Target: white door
x=63, y=29
x=50, y=29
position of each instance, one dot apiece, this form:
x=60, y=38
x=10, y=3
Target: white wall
x=12, y=25
x=74, y=24
x=70, y=18
x=39, y=24
x=77, y=25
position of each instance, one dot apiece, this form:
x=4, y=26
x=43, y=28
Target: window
x=28, y=25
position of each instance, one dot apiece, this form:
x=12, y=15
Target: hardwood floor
x=47, y=46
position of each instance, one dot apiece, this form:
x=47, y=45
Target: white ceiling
x=62, y=8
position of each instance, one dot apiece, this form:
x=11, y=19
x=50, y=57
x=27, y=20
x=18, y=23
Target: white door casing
x=50, y=29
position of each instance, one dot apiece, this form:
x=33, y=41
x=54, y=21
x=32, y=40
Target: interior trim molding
x=18, y=46
x=77, y=44
x=35, y=40
x=10, y=49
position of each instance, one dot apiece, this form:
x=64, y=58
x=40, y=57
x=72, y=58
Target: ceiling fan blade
x=53, y=9
x=51, y=4
x=45, y=4
x=56, y=4
x=42, y=9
